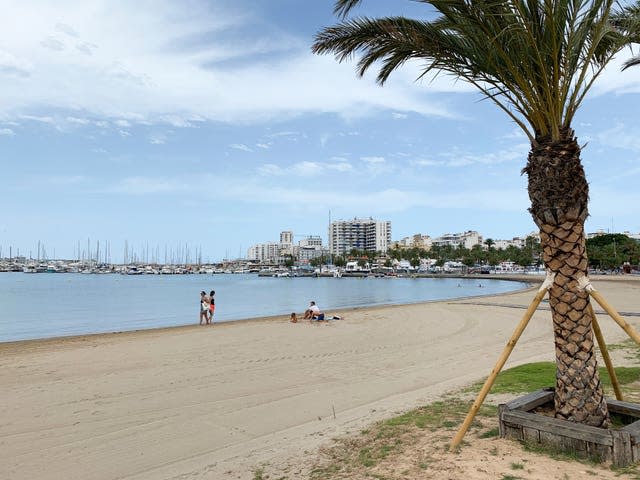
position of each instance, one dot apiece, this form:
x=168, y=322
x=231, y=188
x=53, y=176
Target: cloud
x=172, y=68
x=64, y=28
x=157, y=139
x=426, y=163
x=7, y=132
x=10, y=65
x=53, y=43
x=305, y=169
x=86, y=47
x=79, y=121
x=459, y=158
x=621, y=136
x=372, y=160
x=240, y=146
x=399, y=116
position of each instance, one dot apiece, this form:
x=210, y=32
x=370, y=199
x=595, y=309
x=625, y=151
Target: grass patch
x=626, y=375
x=534, y=376
x=524, y=378
x=258, y=474
x=494, y=432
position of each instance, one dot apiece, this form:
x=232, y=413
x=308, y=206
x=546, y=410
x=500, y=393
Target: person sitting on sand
x=311, y=311
x=294, y=318
x=316, y=314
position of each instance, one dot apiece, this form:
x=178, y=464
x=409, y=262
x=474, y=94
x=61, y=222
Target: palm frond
x=343, y=7
x=536, y=59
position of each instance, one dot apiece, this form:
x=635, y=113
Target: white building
x=362, y=234
x=310, y=248
x=467, y=239
x=264, y=252
x=286, y=243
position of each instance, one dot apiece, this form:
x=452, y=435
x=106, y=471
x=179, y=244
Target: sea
x=45, y=305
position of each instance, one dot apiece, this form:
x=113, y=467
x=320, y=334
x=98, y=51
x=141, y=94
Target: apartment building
x=362, y=234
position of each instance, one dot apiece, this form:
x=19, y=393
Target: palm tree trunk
x=559, y=196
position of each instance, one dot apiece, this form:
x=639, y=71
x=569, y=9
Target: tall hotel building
x=362, y=234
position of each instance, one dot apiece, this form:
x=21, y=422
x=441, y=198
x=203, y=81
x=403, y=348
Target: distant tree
x=289, y=261
x=339, y=261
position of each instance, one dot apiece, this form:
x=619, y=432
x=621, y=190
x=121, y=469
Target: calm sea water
x=52, y=305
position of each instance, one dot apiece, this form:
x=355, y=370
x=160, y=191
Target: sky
x=209, y=125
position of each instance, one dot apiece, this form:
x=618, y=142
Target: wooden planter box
x=620, y=446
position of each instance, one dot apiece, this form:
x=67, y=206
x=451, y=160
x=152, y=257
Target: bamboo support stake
x=502, y=360
x=605, y=354
x=585, y=284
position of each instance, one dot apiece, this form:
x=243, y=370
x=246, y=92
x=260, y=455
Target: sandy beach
x=214, y=402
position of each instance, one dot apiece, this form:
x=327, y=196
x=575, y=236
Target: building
x=286, y=243
x=467, y=239
x=268, y=252
x=362, y=234
x=415, y=241
x=310, y=248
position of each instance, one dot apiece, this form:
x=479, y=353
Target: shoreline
x=209, y=403
x=270, y=318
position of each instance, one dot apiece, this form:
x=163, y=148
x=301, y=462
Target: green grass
x=534, y=376
x=490, y=433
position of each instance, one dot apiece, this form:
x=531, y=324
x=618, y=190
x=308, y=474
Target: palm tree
x=536, y=61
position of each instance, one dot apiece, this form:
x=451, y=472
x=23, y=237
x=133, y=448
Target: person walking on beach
x=212, y=305
x=204, y=308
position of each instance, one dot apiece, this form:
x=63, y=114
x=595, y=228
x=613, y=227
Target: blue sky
x=210, y=124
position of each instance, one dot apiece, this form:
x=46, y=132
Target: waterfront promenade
x=214, y=403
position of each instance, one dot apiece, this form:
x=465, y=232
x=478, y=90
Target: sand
x=216, y=402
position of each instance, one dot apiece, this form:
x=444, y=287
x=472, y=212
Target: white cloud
x=264, y=146
x=53, y=43
x=305, y=169
x=157, y=139
x=7, y=132
x=372, y=160
x=621, y=136
x=399, y=116
x=458, y=158
x=79, y=121
x=64, y=28
x=426, y=163
x=271, y=169
x=10, y=65
x=240, y=146
x=161, y=73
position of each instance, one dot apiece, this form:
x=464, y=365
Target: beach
x=204, y=402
